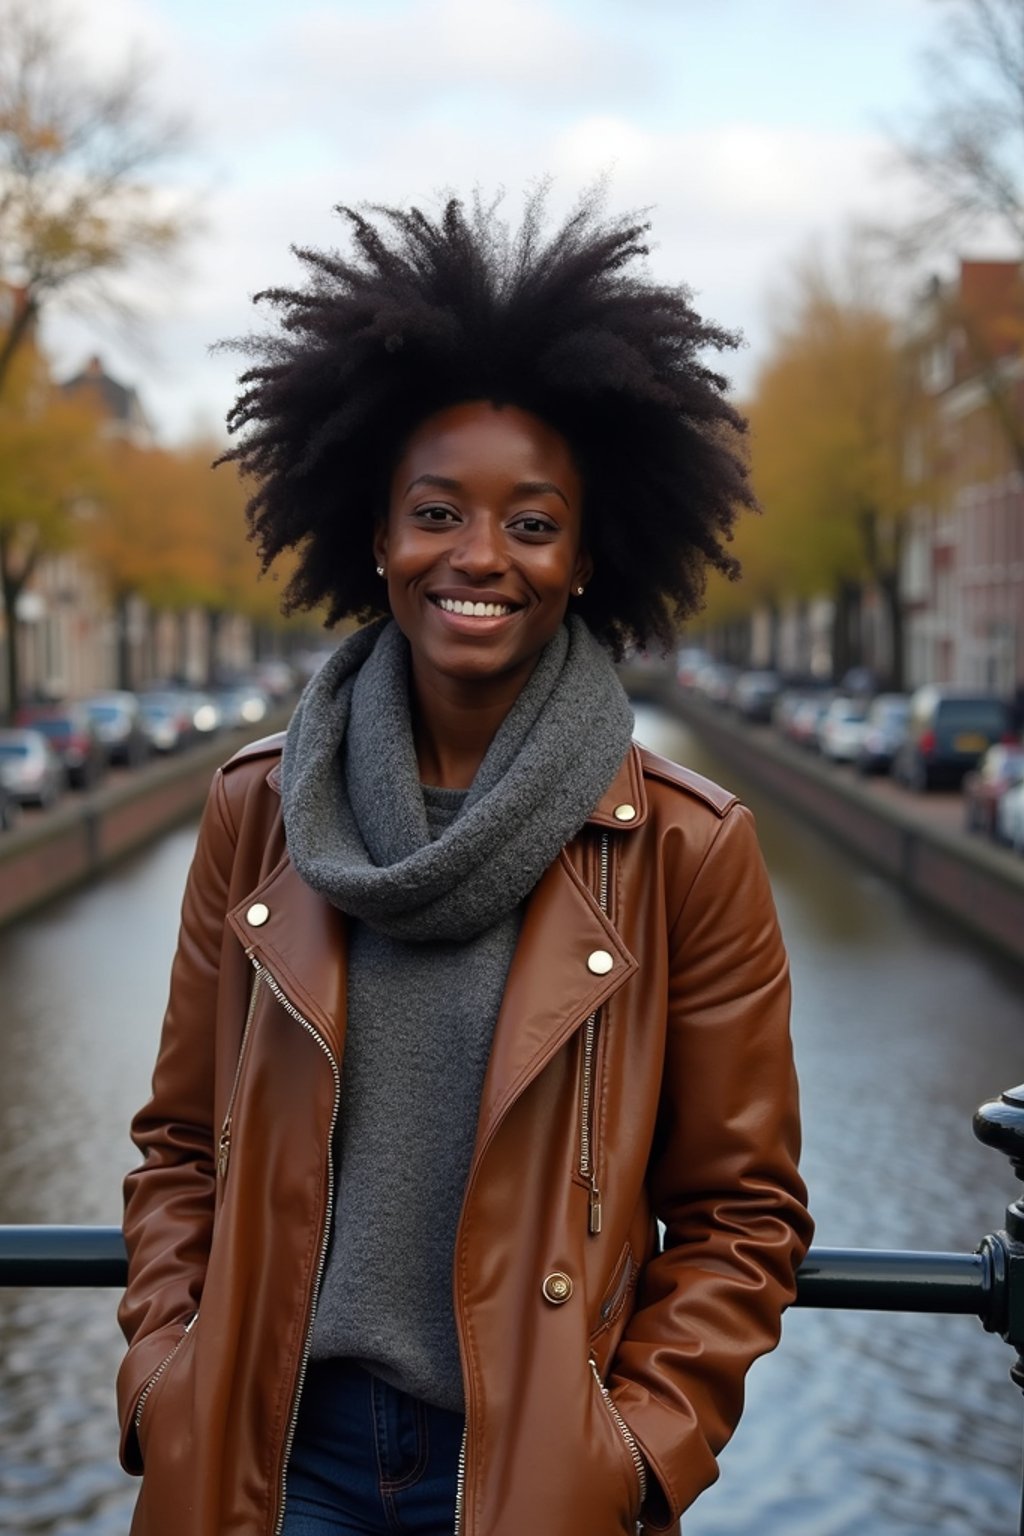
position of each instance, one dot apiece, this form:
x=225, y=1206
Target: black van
x=949, y=730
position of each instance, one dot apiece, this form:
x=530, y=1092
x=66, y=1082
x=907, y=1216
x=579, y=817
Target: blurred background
x=842, y=183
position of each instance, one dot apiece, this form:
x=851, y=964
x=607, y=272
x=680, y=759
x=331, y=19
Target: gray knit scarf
x=353, y=808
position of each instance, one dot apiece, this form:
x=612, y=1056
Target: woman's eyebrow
x=539, y=488
x=521, y=488
x=439, y=483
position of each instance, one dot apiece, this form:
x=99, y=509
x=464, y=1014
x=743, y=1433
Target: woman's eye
x=435, y=514
x=535, y=524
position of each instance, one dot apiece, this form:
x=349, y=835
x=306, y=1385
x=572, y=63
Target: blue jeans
x=368, y=1460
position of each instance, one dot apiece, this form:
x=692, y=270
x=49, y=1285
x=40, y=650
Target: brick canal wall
x=914, y=839
x=978, y=884
x=48, y=854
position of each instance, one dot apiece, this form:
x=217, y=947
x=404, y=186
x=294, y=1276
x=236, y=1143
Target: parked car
x=841, y=729
x=9, y=807
x=119, y=723
x=806, y=717
x=72, y=734
x=689, y=660
x=785, y=707
x=1010, y=818
x=275, y=677
x=170, y=711
x=754, y=695
x=1001, y=768
x=716, y=680
x=885, y=730
x=29, y=767
x=949, y=729
x=241, y=705
x=166, y=723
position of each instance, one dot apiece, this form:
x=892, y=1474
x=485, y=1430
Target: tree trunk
x=892, y=596
x=214, y=625
x=11, y=587
x=183, y=656
x=11, y=656
x=846, y=628
x=774, y=630
x=24, y=318
x=122, y=617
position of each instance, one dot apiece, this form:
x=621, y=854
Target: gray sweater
x=420, y=1022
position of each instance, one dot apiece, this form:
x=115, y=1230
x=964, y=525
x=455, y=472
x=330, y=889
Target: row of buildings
x=961, y=571
x=961, y=576
x=73, y=636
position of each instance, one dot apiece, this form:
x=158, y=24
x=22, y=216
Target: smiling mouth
x=474, y=610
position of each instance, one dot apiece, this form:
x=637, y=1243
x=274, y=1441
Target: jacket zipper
x=460, y=1483
x=224, y=1143
x=639, y=1465
x=151, y=1383
x=262, y=974
x=588, y=1161
x=588, y=1172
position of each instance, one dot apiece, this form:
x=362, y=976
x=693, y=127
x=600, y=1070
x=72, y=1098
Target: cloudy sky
x=750, y=128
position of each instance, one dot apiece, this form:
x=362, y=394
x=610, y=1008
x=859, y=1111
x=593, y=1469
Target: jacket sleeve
x=169, y=1198
x=723, y=1176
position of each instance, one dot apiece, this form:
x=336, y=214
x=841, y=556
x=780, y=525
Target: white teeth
x=473, y=610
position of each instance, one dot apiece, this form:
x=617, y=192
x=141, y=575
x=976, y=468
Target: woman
x=471, y=992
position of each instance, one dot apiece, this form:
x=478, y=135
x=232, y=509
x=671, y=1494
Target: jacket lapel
x=300, y=938
x=556, y=980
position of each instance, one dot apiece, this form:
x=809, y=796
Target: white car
x=1010, y=818
x=841, y=731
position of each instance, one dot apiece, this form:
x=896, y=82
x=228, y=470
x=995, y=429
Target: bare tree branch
x=78, y=204
x=967, y=150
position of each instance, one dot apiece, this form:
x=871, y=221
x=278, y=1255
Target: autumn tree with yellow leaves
x=167, y=528
x=48, y=466
x=833, y=408
x=78, y=152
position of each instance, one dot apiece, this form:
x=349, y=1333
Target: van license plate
x=969, y=742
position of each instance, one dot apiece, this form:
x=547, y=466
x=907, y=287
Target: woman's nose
x=480, y=549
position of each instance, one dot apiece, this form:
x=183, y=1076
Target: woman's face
x=481, y=547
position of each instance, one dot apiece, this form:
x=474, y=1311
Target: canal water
x=860, y=1425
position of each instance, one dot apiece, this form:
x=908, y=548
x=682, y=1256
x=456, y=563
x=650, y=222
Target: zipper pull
x=224, y=1150
x=594, y=1221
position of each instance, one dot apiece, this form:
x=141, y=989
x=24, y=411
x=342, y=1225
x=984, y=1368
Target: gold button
x=600, y=962
x=557, y=1288
x=625, y=813
x=257, y=914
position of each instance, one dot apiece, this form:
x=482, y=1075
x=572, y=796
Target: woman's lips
x=479, y=608
x=481, y=616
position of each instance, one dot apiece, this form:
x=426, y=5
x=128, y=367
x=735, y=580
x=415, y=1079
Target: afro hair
x=425, y=312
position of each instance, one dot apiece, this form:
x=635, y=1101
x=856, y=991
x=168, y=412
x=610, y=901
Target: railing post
x=1000, y=1124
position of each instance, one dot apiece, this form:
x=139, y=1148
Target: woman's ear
x=584, y=569
x=380, y=545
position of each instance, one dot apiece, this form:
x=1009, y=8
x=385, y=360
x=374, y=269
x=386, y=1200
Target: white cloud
x=401, y=55
x=395, y=100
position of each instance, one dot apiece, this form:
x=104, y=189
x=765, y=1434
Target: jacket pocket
x=144, y=1406
x=224, y=1140
x=620, y=1289
x=627, y=1440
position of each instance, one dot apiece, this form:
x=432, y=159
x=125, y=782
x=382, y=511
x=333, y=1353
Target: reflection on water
x=861, y=1425
x=82, y=989
x=874, y=1423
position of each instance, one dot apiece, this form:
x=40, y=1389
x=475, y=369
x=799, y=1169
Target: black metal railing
x=987, y=1284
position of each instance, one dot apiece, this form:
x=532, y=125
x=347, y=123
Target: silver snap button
x=600, y=962
x=257, y=914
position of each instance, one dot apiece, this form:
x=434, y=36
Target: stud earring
x=380, y=570
x=579, y=591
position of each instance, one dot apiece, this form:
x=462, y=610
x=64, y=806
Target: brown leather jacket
x=584, y=1340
